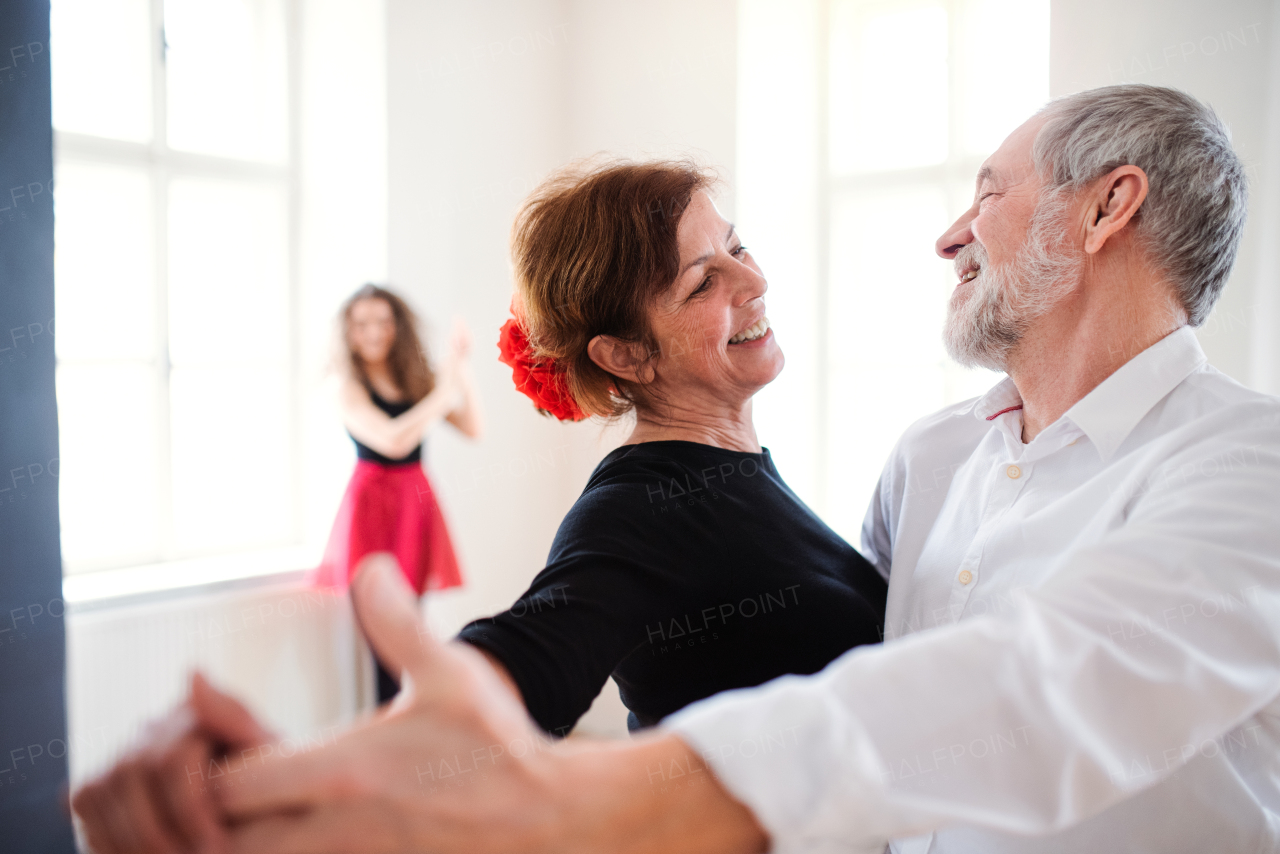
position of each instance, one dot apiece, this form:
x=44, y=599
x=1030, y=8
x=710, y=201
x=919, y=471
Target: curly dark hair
x=407, y=361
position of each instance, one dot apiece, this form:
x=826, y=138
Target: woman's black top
x=364, y=452
x=683, y=570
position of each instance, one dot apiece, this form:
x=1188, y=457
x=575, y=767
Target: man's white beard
x=984, y=327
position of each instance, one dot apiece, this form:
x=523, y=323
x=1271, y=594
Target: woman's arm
x=499, y=669
x=395, y=437
x=467, y=416
x=558, y=643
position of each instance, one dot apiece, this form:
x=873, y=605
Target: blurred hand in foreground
x=157, y=797
x=447, y=766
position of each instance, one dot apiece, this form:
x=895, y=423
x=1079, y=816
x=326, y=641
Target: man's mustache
x=970, y=256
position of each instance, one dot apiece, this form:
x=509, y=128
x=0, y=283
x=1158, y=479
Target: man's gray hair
x=1193, y=216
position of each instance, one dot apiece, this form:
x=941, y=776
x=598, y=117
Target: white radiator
x=291, y=653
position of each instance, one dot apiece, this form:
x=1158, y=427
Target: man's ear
x=624, y=359
x=1114, y=201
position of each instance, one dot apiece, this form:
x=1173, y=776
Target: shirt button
x=965, y=576
x=1013, y=472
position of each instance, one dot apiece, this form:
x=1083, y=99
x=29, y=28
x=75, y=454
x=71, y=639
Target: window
x=175, y=193
x=891, y=107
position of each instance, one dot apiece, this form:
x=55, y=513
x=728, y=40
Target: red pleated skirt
x=390, y=509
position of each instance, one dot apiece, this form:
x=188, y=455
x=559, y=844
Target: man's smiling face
x=1008, y=253
x=1004, y=201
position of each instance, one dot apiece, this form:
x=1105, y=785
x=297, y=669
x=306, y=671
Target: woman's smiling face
x=371, y=329
x=715, y=344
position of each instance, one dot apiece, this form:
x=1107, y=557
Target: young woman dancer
x=389, y=399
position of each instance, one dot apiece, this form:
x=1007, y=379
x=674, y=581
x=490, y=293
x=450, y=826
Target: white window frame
x=954, y=177
x=163, y=165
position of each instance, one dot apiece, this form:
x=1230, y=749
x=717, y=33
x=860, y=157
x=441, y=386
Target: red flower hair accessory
x=541, y=380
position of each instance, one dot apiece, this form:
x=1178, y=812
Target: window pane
x=227, y=77
x=888, y=288
x=230, y=430
x=868, y=411
x=228, y=272
x=104, y=263
x=1000, y=89
x=885, y=356
x=888, y=85
x=100, y=51
x=229, y=344
x=107, y=475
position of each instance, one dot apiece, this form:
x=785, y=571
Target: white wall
x=781, y=199
x=342, y=223
x=1224, y=53
x=476, y=113
x=651, y=80
x=484, y=99
x=655, y=79
x=1266, y=224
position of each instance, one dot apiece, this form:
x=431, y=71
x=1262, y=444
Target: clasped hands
x=372, y=789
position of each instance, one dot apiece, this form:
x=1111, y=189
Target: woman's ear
x=624, y=359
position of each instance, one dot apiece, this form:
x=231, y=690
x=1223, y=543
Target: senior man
x=1084, y=609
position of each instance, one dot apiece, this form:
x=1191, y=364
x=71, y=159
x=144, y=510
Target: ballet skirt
x=390, y=506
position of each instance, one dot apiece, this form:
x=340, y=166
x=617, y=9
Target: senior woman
x=687, y=566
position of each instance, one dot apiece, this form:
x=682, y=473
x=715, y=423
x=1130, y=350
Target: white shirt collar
x=1108, y=414
x=1001, y=398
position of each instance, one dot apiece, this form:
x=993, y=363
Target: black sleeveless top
x=364, y=452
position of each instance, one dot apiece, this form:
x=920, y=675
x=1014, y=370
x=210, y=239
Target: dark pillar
x=33, y=729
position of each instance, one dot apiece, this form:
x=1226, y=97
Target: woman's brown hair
x=593, y=247
x=407, y=360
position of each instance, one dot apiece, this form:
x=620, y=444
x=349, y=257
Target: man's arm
x=651, y=794
x=877, y=534
x=1022, y=723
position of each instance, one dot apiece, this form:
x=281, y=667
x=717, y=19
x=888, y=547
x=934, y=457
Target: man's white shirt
x=1082, y=638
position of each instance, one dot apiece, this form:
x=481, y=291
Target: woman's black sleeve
x=581, y=616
